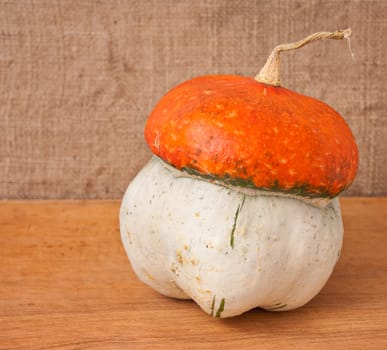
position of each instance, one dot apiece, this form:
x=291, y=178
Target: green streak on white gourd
x=213, y=305
x=239, y=208
x=221, y=308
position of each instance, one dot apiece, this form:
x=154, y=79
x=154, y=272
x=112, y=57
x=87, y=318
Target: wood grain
x=79, y=78
x=65, y=283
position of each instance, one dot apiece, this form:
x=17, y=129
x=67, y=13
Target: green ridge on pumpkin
x=303, y=190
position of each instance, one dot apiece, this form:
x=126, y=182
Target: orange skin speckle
x=235, y=127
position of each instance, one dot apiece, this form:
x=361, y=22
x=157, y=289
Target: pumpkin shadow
x=262, y=320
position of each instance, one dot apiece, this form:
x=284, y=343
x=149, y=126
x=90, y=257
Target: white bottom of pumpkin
x=228, y=251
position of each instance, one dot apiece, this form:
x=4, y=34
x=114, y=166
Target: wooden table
x=65, y=283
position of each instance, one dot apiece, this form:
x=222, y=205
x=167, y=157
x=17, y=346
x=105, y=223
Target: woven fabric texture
x=78, y=79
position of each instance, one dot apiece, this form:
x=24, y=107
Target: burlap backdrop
x=78, y=79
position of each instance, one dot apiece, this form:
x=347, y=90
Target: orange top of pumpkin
x=237, y=130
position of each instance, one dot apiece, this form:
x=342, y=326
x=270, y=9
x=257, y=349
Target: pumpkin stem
x=269, y=74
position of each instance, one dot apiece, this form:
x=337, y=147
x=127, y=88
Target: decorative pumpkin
x=238, y=208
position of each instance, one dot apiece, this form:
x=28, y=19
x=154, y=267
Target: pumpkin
x=239, y=206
